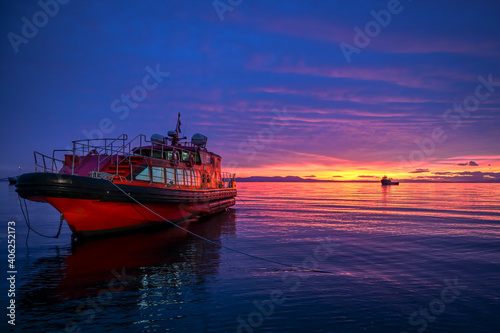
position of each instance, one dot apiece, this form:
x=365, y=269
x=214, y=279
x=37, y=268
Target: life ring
x=93, y=151
x=175, y=157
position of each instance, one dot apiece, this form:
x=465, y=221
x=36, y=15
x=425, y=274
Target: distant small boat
x=388, y=181
x=12, y=180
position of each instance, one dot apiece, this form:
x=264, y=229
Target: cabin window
x=156, y=154
x=143, y=175
x=185, y=156
x=205, y=158
x=190, y=174
x=170, y=176
x=197, y=178
x=197, y=158
x=180, y=177
x=145, y=152
x=167, y=155
x=158, y=175
x=191, y=178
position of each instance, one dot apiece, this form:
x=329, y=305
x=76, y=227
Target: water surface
x=414, y=258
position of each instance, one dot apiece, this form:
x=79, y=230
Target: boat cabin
x=158, y=161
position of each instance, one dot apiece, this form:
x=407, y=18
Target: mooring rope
x=28, y=222
x=239, y=198
x=295, y=268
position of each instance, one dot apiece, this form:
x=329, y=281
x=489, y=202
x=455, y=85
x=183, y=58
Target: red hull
x=110, y=184
x=87, y=217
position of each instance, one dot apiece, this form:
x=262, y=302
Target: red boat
x=109, y=185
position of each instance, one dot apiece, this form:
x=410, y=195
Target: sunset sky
x=341, y=90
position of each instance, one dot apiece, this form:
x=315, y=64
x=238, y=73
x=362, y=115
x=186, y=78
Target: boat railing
x=45, y=163
x=143, y=144
x=137, y=143
x=101, y=175
x=169, y=176
x=118, y=151
x=228, y=179
x=140, y=143
x=104, y=148
x=114, y=150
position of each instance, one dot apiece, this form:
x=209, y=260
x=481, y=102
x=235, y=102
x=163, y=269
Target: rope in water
x=296, y=268
x=28, y=222
x=239, y=198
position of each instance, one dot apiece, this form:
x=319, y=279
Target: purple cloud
x=471, y=163
x=419, y=171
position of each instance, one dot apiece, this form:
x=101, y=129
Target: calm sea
x=408, y=258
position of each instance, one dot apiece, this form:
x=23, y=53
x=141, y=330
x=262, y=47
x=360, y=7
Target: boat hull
x=95, y=206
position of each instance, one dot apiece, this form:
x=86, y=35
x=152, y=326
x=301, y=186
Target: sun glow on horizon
x=434, y=171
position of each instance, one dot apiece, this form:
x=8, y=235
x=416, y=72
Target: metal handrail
x=124, y=152
x=122, y=137
x=53, y=163
x=86, y=147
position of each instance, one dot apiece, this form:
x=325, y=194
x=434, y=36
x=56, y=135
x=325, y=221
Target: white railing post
x=73, y=162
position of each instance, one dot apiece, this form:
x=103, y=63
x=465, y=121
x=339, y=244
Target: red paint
x=93, y=215
x=187, y=173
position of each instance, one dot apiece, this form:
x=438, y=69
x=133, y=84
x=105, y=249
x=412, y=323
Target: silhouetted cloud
x=364, y=176
x=471, y=163
x=337, y=176
x=419, y=171
x=465, y=176
x=312, y=176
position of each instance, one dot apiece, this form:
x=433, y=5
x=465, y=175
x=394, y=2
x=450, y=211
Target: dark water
x=413, y=258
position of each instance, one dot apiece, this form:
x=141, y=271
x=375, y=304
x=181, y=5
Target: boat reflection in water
x=125, y=273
